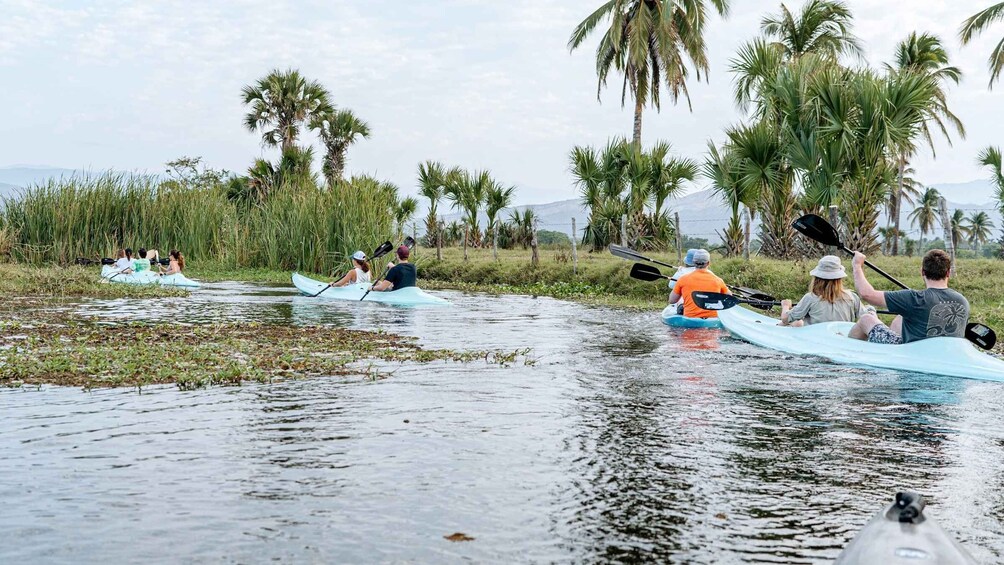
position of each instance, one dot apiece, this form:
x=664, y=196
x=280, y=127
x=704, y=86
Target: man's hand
x=390, y=265
x=859, y=259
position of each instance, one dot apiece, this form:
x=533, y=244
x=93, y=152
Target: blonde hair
x=830, y=290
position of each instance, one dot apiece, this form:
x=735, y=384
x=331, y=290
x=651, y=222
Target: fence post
x=466, y=233
x=439, y=240
x=679, y=239
x=414, y=232
x=535, y=257
x=949, y=242
x=746, y=234
x=624, y=230
x=575, y=255
x=835, y=222
x=495, y=242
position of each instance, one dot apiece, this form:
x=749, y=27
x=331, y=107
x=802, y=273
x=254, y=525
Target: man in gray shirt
x=935, y=311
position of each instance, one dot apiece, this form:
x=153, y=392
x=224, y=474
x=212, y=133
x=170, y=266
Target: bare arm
x=674, y=297
x=383, y=285
x=865, y=289
x=349, y=278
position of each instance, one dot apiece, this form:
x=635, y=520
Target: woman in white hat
x=360, y=272
x=826, y=301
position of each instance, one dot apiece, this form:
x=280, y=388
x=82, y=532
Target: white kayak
x=411, y=296
x=948, y=356
x=111, y=274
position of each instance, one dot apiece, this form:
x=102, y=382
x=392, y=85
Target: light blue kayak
x=948, y=356
x=411, y=296
x=111, y=274
x=671, y=318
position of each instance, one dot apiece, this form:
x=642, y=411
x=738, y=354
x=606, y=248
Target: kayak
x=901, y=533
x=947, y=356
x=111, y=274
x=411, y=296
x=671, y=318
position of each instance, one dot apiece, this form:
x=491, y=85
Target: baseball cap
x=359, y=256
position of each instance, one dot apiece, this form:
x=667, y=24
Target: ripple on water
x=627, y=440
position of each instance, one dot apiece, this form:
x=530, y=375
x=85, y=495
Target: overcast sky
x=477, y=83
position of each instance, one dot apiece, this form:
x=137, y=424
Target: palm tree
x=924, y=54
x=649, y=42
x=280, y=103
x=822, y=27
x=403, y=211
x=431, y=184
x=338, y=130
x=978, y=226
x=668, y=175
x=720, y=167
x=991, y=157
x=497, y=198
x=975, y=25
x=467, y=191
x=926, y=213
x=264, y=178
x=958, y=228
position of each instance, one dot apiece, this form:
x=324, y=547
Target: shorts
x=881, y=333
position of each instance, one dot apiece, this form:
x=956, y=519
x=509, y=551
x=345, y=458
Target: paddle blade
x=626, y=253
x=752, y=294
x=409, y=242
x=645, y=273
x=713, y=300
x=107, y=261
x=384, y=249
x=818, y=229
x=981, y=335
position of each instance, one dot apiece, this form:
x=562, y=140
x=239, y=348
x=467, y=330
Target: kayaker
x=142, y=263
x=124, y=262
x=826, y=301
x=177, y=264
x=402, y=275
x=701, y=280
x=935, y=311
x=688, y=267
x=360, y=272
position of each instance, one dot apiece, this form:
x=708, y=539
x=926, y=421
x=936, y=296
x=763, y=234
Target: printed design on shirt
x=947, y=319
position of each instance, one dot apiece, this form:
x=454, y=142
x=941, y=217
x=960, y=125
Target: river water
x=625, y=440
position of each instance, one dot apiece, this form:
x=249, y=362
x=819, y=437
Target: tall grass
x=300, y=226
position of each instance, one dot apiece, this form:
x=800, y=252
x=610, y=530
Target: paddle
x=647, y=273
x=719, y=301
x=384, y=248
x=409, y=242
x=632, y=255
x=818, y=229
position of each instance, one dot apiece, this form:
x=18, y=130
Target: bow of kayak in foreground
x=901, y=533
x=948, y=356
x=411, y=296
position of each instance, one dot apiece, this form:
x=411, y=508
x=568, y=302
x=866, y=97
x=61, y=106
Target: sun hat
x=829, y=268
x=701, y=257
x=359, y=256
x=403, y=252
x=688, y=261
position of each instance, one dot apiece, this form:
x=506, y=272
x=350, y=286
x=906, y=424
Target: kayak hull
x=672, y=319
x=411, y=296
x=947, y=356
x=886, y=541
x=110, y=274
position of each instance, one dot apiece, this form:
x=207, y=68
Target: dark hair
x=364, y=265
x=128, y=252
x=142, y=252
x=179, y=258
x=937, y=264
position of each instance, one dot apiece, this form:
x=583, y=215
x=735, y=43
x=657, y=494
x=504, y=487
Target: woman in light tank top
x=826, y=301
x=360, y=273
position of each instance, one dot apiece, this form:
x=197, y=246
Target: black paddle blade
x=409, y=242
x=752, y=294
x=384, y=249
x=626, y=253
x=818, y=229
x=982, y=336
x=713, y=300
x=646, y=273
x=107, y=261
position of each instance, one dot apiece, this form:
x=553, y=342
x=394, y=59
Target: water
x=626, y=440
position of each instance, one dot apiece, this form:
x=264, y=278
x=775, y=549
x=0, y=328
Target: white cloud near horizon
x=475, y=83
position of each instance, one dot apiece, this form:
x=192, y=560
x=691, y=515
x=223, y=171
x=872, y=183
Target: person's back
x=363, y=277
x=701, y=280
x=402, y=275
x=142, y=263
x=826, y=301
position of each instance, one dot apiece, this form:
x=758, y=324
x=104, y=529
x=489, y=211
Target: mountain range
x=702, y=214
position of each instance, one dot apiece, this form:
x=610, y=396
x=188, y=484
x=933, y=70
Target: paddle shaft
x=891, y=278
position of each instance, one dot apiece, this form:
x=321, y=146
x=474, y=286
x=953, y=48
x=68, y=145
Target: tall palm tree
x=497, y=198
x=280, y=102
x=926, y=213
x=431, y=185
x=991, y=157
x=924, y=54
x=338, y=129
x=978, y=226
x=467, y=191
x=649, y=42
x=821, y=26
x=975, y=25
x=958, y=228
x=669, y=173
x=403, y=211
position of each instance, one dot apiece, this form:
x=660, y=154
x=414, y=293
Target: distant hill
x=975, y=192
x=8, y=190
x=26, y=175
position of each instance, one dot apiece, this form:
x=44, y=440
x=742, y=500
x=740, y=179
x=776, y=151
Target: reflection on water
x=627, y=440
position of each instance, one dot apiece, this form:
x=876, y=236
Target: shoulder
x=808, y=297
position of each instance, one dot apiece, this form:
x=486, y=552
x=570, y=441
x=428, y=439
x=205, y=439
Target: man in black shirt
x=399, y=276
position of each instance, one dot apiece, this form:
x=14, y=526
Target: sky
x=476, y=83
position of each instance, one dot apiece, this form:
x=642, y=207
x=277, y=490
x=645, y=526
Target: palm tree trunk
x=338, y=163
x=897, y=202
x=639, y=105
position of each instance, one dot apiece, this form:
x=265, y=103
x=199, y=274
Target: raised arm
x=865, y=289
